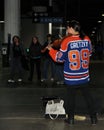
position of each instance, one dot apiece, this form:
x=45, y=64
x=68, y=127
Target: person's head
x=74, y=28
x=49, y=37
x=35, y=40
x=16, y=39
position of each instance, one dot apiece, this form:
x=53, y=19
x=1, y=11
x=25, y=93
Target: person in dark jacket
x=35, y=58
x=48, y=62
x=16, y=52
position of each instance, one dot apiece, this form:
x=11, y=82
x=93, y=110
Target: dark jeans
x=70, y=99
x=48, y=62
x=59, y=71
x=16, y=67
x=36, y=62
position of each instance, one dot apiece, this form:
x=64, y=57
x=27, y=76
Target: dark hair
x=35, y=37
x=77, y=27
x=32, y=40
x=49, y=35
x=15, y=36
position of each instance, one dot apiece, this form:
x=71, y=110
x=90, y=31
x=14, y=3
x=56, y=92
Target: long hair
x=14, y=44
x=19, y=46
x=77, y=27
x=32, y=40
x=15, y=36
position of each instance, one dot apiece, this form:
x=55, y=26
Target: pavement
x=22, y=108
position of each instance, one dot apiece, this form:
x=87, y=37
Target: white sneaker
x=19, y=80
x=52, y=79
x=60, y=82
x=42, y=80
x=11, y=81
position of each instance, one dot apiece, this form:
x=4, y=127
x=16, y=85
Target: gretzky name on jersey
x=78, y=44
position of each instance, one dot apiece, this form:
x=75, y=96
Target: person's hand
x=49, y=46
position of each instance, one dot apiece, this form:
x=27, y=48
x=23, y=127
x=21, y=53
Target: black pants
x=36, y=62
x=16, y=68
x=70, y=99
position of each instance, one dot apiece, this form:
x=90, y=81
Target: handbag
x=54, y=108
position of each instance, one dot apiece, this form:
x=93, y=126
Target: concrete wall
x=30, y=29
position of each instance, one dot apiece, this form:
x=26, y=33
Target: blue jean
x=48, y=62
x=59, y=71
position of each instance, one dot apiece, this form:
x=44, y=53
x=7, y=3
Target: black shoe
x=69, y=121
x=94, y=120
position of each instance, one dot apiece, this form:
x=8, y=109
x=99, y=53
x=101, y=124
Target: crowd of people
x=37, y=57
x=68, y=58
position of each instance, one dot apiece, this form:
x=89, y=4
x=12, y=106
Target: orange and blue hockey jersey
x=75, y=53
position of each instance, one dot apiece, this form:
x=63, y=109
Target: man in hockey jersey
x=75, y=52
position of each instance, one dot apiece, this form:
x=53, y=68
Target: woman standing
x=48, y=62
x=35, y=58
x=75, y=53
x=16, y=53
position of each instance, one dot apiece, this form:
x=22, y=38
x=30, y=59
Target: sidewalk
x=21, y=106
